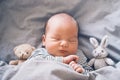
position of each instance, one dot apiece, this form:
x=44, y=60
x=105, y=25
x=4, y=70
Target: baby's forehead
x=58, y=20
x=61, y=17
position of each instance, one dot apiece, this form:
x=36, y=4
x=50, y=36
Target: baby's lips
x=63, y=51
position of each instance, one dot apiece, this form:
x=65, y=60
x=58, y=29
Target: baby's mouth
x=63, y=51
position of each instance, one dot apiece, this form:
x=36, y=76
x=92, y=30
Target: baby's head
x=61, y=35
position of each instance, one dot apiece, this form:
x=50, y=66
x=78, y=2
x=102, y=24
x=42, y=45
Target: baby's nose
x=64, y=43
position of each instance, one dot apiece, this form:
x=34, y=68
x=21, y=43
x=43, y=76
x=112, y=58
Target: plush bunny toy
x=100, y=54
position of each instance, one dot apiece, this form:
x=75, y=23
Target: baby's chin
x=63, y=54
x=60, y=54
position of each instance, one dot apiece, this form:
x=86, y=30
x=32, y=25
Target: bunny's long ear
x=104, y=41
x=94, y=42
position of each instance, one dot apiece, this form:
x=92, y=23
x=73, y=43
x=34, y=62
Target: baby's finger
x=72, y=63
x=79, y=70
x=75, y=67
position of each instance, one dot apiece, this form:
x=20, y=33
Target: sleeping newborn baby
x=60, y=41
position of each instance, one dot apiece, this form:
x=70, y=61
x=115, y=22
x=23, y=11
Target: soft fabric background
x=22, y=21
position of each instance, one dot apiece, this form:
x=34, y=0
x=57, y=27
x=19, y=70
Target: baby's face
x=61, y=38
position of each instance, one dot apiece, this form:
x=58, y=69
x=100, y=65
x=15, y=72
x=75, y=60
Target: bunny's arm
x=91, y=62
x=109, y=61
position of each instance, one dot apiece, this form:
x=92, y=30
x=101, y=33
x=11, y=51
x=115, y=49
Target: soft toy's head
x=23, y=51
x=99, y=50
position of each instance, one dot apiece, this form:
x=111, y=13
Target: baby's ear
x=43, y=40
x=94, y=42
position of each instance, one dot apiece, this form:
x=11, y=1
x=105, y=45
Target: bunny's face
x=99, y=49
x=99, y=52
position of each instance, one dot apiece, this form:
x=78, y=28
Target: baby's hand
x=70, y=58
x=78, y=68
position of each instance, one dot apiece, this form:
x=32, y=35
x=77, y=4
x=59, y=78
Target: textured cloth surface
x=36, y=69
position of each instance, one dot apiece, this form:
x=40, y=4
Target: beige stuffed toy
x=100, y=54
x=22, y=51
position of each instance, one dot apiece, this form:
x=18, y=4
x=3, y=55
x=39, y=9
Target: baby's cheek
x=73, y=50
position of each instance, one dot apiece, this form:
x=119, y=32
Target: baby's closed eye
x=72, y=40
x=56, y=38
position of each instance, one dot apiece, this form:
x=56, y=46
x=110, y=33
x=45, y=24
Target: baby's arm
x=42, y=54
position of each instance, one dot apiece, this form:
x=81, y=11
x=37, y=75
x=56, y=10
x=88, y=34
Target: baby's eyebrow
x=56, y=35
x=74, y=36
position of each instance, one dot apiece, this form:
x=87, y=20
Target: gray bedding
x=22, y=21
x=36, y=69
